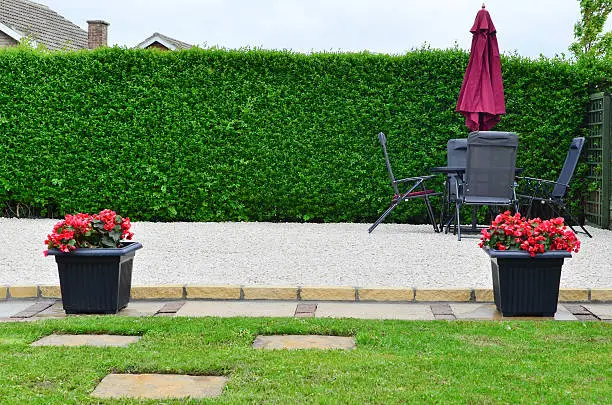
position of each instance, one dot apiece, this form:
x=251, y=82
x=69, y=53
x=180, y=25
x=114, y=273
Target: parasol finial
x=483, y=6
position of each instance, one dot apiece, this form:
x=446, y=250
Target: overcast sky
x=529, y=27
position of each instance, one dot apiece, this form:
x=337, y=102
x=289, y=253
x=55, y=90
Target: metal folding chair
x=489, y=177
x=552, y=193
x=413, y=187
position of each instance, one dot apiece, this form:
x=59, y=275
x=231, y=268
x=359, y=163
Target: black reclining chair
x=414, y=188
x=552, y=193
x=489, y=172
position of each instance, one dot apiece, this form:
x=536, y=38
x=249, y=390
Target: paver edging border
x=307, y=293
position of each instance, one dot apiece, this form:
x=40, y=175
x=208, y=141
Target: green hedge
x=253, y=135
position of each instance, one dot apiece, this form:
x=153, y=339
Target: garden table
x=459, y=171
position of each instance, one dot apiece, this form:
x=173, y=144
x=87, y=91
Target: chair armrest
x=534, y=188
x=534, y=179
x=415, y=178
x=459, y=183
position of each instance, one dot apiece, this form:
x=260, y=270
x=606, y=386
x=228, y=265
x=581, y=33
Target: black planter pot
x=525, y=285
x=96, y=281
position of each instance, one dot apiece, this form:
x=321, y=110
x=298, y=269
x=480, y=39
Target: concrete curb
x=306, y=293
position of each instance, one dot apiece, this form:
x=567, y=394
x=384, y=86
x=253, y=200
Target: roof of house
x=170, y=43
x=40, y=23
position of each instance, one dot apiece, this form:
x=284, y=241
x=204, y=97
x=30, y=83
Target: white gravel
x=290, y=254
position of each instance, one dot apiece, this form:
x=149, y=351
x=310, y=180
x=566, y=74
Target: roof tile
x=42, y=24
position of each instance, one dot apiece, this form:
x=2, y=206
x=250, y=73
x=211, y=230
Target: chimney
x=97, y=34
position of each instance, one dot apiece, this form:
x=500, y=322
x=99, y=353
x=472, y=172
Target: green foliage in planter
x=254, y=135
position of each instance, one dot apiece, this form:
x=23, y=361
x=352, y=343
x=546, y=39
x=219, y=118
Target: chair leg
x=446, y=212
x=529, y=208
x=448, y=222
x=564, y=210
x=585, y=231
x=431, y=214
x=382, y=217
x=474, y=216
x=443, y=208
x=458, y=219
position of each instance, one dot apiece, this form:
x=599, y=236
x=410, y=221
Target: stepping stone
x=159, y=386
x=374, y=311
x=87, y=340
x=292, y=342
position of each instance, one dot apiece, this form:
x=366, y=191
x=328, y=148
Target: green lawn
x=395, y=361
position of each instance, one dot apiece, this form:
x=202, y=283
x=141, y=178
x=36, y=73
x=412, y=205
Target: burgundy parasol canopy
x=481, y=99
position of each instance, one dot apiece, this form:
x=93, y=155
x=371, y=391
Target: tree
x=588, y=30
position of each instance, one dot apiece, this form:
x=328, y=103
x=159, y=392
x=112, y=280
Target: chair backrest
x=571, y=160
x=491, y=165
x=383, y=142
x=456, y=152
x=456, y=156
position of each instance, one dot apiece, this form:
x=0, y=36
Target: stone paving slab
x=141, y=308
x=12, y=307
x=441, y=309
x=583, y=317
x=87, y=340
x=159, y=386
x=602, y=311
x=304, y=314
x=577, y=309
x=166, y=314
x=53, y=312
x=374, y=311
x=135, y=309
x=273, y=308
x=238, y=308
x=171, y=307
x=304, y=310
x=490, y=312
x=33, y=309
x=445, y=317
x=292, y=342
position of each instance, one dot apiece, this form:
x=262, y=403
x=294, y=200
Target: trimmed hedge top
x=254, y=135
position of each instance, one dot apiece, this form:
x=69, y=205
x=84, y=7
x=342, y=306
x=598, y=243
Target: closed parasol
x=481, y=99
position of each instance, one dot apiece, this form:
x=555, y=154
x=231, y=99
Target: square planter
x=96, y=281
x=525, y=285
